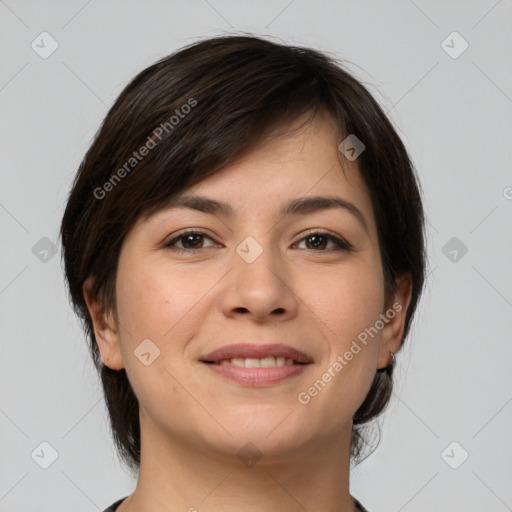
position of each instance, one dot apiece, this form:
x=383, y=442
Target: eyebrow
x=298, y=206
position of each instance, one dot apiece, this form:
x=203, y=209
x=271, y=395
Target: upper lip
x=256, y=351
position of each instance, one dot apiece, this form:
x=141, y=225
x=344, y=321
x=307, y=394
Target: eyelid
x=187, y=231
x=329, y=234
x=338, y=240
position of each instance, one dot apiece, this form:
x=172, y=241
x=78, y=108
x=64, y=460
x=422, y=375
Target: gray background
x=454, y=114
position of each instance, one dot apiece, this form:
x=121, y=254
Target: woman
x=244, y=241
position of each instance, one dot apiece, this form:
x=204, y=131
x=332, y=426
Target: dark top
x=114, y=506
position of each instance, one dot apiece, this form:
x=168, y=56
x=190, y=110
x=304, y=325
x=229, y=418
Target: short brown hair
x=237, y=88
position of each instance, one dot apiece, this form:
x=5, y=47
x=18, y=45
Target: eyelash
x=342, y=245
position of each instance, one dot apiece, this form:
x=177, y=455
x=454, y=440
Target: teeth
x=265, y=362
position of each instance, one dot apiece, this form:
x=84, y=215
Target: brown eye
x=193, y=241
x=190, y=241
x=319, y=241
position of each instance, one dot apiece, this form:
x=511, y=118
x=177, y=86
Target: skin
x=194, y=422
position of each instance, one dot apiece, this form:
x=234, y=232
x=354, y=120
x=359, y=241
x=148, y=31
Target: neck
x=176, y=476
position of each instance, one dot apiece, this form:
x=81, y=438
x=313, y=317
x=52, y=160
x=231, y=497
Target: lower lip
x=257, y=376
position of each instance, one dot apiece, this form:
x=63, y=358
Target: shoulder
x=358, y=505
x=115, y=505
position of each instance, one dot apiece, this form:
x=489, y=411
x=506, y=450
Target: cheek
x=155, y=301
x=161, y=305
x=346, y=301
x=346, y=305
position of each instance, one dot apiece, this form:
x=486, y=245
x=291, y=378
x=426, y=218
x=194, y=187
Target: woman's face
x=256, y=276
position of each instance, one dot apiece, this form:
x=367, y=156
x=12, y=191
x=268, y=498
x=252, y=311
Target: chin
x=256, y=446
x=270, y=433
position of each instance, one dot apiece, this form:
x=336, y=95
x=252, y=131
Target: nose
x=260, y=285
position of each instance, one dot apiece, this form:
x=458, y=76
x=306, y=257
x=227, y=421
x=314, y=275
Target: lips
x=256, y=351
x=257, y=365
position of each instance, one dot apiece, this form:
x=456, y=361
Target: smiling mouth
x=252, y=372
x=251, y=362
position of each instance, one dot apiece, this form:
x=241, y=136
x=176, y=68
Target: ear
x=105, y=329
x=394, y=320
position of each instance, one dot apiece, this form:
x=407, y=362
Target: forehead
x=295, y=164
x=297, y=172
